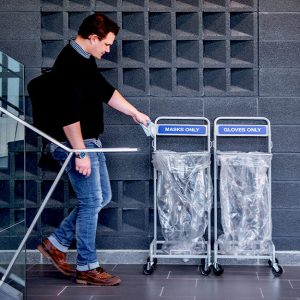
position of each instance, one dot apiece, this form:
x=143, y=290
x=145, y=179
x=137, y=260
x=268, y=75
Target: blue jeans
x=93, y=193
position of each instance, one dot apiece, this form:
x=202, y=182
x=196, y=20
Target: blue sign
x=195, y=130
x=242, y=130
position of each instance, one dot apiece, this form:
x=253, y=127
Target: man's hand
x=83, y=165
x=141, y=118
x=74, y=136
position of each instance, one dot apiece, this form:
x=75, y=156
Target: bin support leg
x=36, y=218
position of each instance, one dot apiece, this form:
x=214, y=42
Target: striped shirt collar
x=77, y=47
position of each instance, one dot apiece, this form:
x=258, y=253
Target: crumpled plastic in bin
x=184, y=198
x=245, y=203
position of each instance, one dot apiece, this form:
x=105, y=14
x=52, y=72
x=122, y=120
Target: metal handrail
x=11, y=105
x=70, y=150
x=53, y=186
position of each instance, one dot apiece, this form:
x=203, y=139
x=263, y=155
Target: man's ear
x=93, y=38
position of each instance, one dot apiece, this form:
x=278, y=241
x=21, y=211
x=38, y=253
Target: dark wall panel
x=280, y=110
x=283, y=54
x=279, y=5
x=279, y=82
x=279, y=26
x=19, y=25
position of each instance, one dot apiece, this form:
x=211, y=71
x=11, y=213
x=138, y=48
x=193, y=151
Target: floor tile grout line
x=169, y=275
x=196, y=283
x=281, y=279
x=162, y=289
x=245, y=272
x=82, y=286
x=262, y=295
x=257, y=275
x=290, y=284
x=114, y=267
x=183, y=278
x=29, y=269
x=62, y=290
x=91, y=298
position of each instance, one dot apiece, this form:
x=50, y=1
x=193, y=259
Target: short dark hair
x=98, y=24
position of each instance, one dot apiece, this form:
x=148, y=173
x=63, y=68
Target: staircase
x=12, y=177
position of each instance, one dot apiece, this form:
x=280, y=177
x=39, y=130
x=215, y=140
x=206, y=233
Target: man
x=78, y=118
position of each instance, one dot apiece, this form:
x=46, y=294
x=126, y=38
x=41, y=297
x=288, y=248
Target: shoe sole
x=47, y=255
x=80, y=281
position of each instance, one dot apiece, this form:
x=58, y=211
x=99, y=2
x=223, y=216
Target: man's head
x=99, y=33
x=99, y=25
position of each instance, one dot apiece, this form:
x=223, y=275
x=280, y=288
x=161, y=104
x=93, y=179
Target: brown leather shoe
x=58, y=258
x=96, y=277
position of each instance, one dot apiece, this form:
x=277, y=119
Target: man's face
x=103, y=46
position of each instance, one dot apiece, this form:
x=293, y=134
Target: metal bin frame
x=154, y=252
x=250, y=121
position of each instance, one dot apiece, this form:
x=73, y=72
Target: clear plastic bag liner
x=184, y=198
x=245, y=203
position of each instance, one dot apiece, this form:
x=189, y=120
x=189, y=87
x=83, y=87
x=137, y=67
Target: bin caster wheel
x=149, y=267
x=276, y=268
x=154, y=263
x=277, y=271
x=204, y=268
x=218, y=269
x=205, y=272
x=147, y=271
x=270, y=262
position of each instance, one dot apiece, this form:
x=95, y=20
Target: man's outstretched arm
x=118, y=102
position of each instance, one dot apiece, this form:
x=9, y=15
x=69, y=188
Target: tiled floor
x=169, y=282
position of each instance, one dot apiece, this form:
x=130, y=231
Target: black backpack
x=40, y=90
x=41, y=93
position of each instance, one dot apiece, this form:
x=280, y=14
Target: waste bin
x=182, y=194
x=242, y=184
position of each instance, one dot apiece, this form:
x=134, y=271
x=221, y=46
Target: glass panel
x=12, y=177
